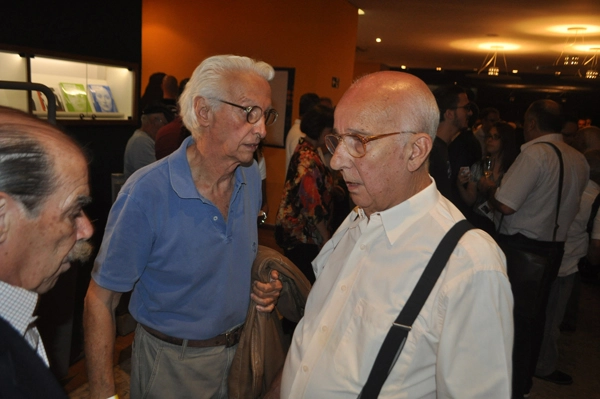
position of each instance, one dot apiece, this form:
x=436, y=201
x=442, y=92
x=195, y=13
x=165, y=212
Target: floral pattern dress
x=306, y=199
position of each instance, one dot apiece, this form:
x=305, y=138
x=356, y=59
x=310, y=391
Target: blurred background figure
x=153, y=92
x=170, y=137
x=326, y=101
x=139, y=151
x=488, y=116
x=170, y=92
x=302, y=223
x=569, y=129
x=307, y=101
x=500, y=152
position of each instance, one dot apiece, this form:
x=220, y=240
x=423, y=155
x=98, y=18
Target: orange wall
x=365, y=68
x=316, y=37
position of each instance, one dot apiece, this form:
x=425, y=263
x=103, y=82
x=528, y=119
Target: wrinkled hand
x=266, y=294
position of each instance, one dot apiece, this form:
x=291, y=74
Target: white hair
x=209, y=81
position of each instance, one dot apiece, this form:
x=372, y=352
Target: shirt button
x=215, y=218
x=363, y=246
x=324, y=328
x=343, y=288
x=305, y=368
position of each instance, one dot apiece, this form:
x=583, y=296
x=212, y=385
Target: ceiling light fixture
x=566, y=57
x=592, y=73
x=490, y=59
x=361, y=12
x=378, y=40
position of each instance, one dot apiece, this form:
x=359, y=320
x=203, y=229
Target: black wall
x=512, y=95
x=109, y=29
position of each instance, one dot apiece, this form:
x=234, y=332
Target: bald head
x=394, y=101
x=387, y=122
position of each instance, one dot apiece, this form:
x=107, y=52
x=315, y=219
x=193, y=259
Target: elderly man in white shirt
x=460, y=345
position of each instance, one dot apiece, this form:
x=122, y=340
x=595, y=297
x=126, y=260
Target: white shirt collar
x=17, y=306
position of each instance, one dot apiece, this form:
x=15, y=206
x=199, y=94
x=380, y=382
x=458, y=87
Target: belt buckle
x=230, y=338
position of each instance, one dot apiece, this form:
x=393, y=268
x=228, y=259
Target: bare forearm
x=99, y=332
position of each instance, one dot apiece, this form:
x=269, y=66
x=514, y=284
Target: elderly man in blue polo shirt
x=182, y=236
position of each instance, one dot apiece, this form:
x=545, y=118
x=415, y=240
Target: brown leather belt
x=227, y=339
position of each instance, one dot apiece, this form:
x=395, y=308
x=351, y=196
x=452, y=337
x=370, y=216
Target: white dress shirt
x=576, y=246
x=16, y=307
x=530, y=187
x=460, y=345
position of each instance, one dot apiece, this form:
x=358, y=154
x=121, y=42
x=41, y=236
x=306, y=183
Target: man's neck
x=446, y=132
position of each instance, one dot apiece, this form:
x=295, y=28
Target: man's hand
x=266, y=294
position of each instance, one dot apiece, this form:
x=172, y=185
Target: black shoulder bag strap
x=590, y=223
x=560, y=185
x=396, y=337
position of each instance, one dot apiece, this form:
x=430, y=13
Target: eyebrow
x=80, y=202
x=352, y=131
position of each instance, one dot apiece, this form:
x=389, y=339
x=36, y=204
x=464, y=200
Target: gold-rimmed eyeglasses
x=254, y=113
x=356, y=144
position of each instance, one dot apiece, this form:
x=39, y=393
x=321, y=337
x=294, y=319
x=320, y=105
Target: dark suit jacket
x=22, y=373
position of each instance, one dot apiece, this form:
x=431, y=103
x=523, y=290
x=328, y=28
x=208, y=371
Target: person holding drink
x=501, y=150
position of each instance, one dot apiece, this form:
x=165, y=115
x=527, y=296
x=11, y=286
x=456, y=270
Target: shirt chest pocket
x=360, y=342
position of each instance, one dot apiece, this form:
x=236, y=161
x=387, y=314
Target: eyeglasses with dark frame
x=469, y=107
x=356, y=144
x=254, y=113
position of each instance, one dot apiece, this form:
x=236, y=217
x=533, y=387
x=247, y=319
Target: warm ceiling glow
x=574, y=29
x=378, y=40
x=481, y=45
x=591, y=47
x=559, y=26
x=495, y=46
x=361, y=12
x=402, y=66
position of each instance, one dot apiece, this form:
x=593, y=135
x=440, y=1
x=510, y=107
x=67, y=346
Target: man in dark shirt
x=455, y=110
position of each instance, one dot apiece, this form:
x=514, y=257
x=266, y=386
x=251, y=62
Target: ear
x=418, y=148
x=202, y=110
x=4, y=217
x=449, y=114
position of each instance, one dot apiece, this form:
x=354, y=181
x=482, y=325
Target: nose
x=84, y=228
x=261, y=127
x=340, y=157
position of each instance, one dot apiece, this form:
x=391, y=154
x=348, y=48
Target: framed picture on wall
x=102, y=98
x=282, y=93
x=75, y=97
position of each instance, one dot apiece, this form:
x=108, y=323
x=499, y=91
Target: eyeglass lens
x=256, y=112
x=354, y=146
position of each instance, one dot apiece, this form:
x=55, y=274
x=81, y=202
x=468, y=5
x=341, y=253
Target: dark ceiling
x=448, y=34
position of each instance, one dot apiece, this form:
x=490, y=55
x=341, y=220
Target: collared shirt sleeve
x=519, y=180
x=476, y=335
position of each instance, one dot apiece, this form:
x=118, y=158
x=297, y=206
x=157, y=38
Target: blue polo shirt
x=189, y=268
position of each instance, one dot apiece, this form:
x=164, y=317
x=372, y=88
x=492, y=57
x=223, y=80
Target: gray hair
x=26, y=168
x=209, y=80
